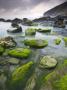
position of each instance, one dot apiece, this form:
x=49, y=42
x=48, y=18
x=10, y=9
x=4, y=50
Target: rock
x=20, y=76
x=7, y=42
x=20, y=52
x=43, y=30
x=13, y=61
x=31, y=83
x=57, y=41
x=14, y=25
x=65, y=40
x=30, y=31
x=15, y=30
x=36, y=43
x=57, y=79
x=1, y=50
x=27, y=22
x=47, y=62
x=59, y=22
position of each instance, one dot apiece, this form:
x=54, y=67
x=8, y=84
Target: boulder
x=1, y=50
x=20, y=52
x=30, y=31
x=44, y=30
x=48, y=62
x=15, y=30
x=65, y=40
x=57, y=41
x=20, y=76
x=7, y=42
x=36, y=43
x=13, y=61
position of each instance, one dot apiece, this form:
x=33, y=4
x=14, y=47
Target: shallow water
x=52, y=49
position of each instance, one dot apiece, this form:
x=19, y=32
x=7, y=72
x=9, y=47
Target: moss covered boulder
x=20, y=53
x=48, y=62
x=30, y=31
x=65, y=40
x=57, y=41
x=20, y=76
x=44, y=30
x=1, y=50
x=36, y=43
x=57, y=79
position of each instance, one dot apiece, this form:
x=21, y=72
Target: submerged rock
x=7, y=42
x=48, y=62
x=65, y=40
x=43, y=30
x=57, y=79
x=57, y=41
x=36, y=43
x=15, y=30
x=13, y=61
x=14, y=25
x=31, y=83
x=20, y=76
x=30, y=31
x=20, y=53
x=1, y=50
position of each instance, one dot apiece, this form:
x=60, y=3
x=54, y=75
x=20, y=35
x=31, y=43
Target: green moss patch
x=44, y=30
x=30, y=31
x=20, y=76
x=65, y=40
x=57, y=41
x=36, y=43
x=1, y=50
x=20, y=52
x=56, y=79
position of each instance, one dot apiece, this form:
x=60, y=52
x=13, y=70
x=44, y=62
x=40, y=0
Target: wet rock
x=7, y=42
x=30, y=31
x=36, y=43
x=65, y=40
x=20, y=53
x=13, y=61
x=44, y=30
x=14, y=25
x=1, y=50
x=15, y=30
x=48, y=62
x=57, y=79
x=31, y=83
x=57, y=41
x=20, y=76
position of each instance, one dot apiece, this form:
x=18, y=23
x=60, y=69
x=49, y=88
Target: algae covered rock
x=31, y=83
x=57, y=79
x=44, y=30
x=7, y=42
x=30, y=31
x=57, y=41
x=13, y=61
x=20, y=52
x=1, y=50
x=36, y=43
x=48, y=62
x=20, y=76
x=65, y=40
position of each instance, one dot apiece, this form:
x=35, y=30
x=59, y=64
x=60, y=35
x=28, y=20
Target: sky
x=26, y=8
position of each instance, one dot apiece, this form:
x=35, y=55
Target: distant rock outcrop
x=58, y=10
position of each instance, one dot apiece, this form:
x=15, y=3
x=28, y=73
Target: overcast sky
x=26, y=8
